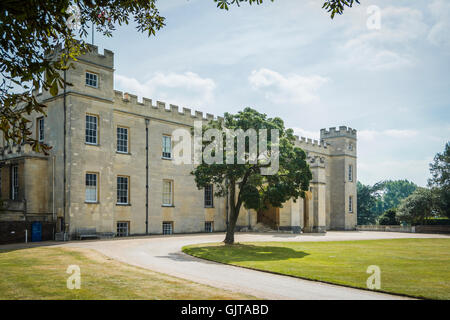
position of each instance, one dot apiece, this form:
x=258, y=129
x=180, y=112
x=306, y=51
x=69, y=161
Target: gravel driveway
x=163, y=254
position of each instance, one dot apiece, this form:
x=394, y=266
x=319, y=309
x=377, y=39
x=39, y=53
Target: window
x=209, y=196
x=209, y=226
x=350, y=204
x=40, y=129
x=122, y=140
x=167, y=147
x=350, y=172
x=167, y=193
x=91, y=80
x=122, y=228
x=14, y=182
x=91, y=187
x=167, y=227
x=91, y=129
x=350, y=146
x=122, y=190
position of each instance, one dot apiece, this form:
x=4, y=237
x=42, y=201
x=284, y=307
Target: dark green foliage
x=365, y=204
x=438, y=222
x=440, y=181
x=338, y=6
x=391, y=193
x=374, y=200
x=225, y=4
x=388, y=218
x=244, y=183
x=416, y=208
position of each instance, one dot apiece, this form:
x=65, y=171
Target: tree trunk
x=234, y=213
x=229, y=238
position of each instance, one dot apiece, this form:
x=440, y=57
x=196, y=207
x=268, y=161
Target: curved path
x=163, y=254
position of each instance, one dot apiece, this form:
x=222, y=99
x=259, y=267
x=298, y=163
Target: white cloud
x=292, y=88
x=185, y=89
x=439, y=34
x=388, y=47
x=370, y=135
x=306, y=133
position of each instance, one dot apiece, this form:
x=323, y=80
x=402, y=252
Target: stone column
x=318, y=185
x=296, y=218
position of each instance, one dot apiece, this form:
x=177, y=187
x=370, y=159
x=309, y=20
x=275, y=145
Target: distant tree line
x=401, y=201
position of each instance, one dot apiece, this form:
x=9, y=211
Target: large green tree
x=244, y=184
x=367, y=198
x=375, y=200
x=389, y=218
x=416, y=208
x=31, y=31
x=440, y=181
x=391, y=193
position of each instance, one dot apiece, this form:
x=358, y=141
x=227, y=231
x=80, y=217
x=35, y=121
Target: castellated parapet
x=132, y=100
x=93, y=56
x=342, y=132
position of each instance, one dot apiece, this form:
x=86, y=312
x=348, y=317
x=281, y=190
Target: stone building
x=111, y=167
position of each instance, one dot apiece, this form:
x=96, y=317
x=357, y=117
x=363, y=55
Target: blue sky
x=289, y=59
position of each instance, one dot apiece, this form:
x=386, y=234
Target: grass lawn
x=40, y=273
x=415, y=267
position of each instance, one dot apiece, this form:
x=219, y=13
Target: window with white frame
x=167, y=195
x=350, y=172
x=14, y=182
x=167, y=147
x=350, y=204
x=122, y=190
x=122, y=228
x=167, y=227
x=91, y=79
x=209, y=226
x=91, y=187
x=40, y=129
x=209, y=196
x=91, y=129
x=122, y=139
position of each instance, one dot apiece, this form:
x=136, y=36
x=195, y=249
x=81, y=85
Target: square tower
x=343, y=175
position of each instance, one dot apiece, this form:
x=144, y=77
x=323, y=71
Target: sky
x=389, y=80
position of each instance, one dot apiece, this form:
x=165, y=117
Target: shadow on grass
x=244, y=252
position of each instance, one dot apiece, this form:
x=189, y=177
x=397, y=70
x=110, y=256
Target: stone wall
x=412, y=229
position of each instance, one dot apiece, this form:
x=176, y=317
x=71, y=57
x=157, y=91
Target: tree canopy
x=245, y=183
x=440, y=181
x=388, y=218
x=374, y=200
x=391, y=192
x=365, y=204
x=417, y=207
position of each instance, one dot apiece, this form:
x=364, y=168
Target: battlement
x=161, y=106
x=342, y=132
x=310, y=144
x=93, y=56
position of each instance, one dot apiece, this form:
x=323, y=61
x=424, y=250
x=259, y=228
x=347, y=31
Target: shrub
x=388, y=218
